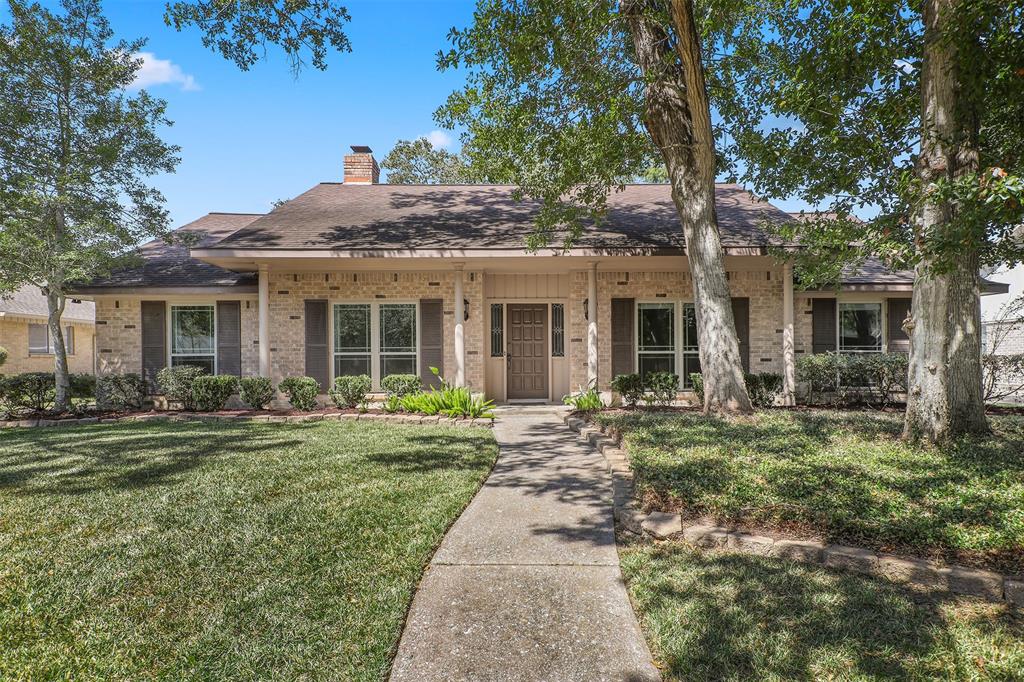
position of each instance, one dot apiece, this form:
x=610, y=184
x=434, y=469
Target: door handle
x=508, y=359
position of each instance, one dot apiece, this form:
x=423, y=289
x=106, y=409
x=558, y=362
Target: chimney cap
x=361, y=149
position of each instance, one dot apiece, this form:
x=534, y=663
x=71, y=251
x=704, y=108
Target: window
x=375, y=339
x=691, y=349
x=193, y=339
x=351, y=340
x=497, y=330
x=557, y=330
x=860, y=327
x=656, y=342
x=40, y=342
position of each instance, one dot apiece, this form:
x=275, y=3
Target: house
x=359, y=277
x=26, y=336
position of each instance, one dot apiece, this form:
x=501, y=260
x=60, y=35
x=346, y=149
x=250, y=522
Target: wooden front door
x=527, y=350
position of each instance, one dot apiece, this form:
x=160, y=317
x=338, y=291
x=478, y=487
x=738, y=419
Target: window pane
x=204, y=361
x=691, y=365
x=557, y=330
x=352, y=328
x=497, y=330
x=397, y=328
x=38, y=339
x=860, y=326
x=397, y=364
x=192, y=329
x=657, y=362
x=351, y=365
x=690, y=327
x=657, y=327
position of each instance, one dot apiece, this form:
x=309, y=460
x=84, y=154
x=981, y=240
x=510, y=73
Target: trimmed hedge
x=120, y=391
x=256, y=392
x=176, y=383
x=843, y=379
x=28, y=391
x=212, y=392
x=400, y=385
x=630, y=388
x=301, y=392
x=350, y=391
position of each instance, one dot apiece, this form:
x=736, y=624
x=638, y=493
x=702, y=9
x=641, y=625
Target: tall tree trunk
x=944, y=396
x=678, y=118
x=55, y=307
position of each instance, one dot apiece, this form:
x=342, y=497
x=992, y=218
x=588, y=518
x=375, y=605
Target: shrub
x=588, y=400
x=83, y=385
x=211, y=393
x=301, y=392
x=256, y=392
x=392, y=403
x=763, y=388
x=176, y=383
x=1002, y=375
x=630, y=387
x=120, y=391
x=697, y=381
x=3, y=356
x=858, y=377
x=400, y=385
x=350, y=391
x=30, y=391
x=661, y=388
x=447, y=400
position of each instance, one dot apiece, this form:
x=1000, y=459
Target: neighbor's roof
x=29, y=302
x=352, y=217
x=170, y=265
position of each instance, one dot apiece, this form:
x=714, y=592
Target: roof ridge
x=495, y=184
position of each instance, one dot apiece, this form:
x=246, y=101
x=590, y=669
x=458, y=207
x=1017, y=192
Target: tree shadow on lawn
x=429, y=452
x=731, y=616
x=81, y=460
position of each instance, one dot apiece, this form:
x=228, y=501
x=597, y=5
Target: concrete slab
x=526, y=585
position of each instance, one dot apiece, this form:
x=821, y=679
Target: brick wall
x=118, y=336
x=14, y=337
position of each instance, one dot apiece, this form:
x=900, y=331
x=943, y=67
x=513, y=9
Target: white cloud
x=439, y=138
x=157, y=71
x=904, y=66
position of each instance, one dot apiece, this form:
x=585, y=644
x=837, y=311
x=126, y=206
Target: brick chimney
x=360, y=166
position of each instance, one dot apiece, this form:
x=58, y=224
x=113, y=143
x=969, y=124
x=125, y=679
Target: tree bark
x=678, y=118
x=944, y=397
x=62, y=381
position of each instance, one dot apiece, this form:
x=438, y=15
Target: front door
x=527, y=351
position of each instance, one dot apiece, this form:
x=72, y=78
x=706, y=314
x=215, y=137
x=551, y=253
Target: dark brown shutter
x=741, y=316
x=823, y=325
x=622, y=336
x=899, y=342
x=229, y=337
x=316, y=343
x=431, y=340
x=154, y=342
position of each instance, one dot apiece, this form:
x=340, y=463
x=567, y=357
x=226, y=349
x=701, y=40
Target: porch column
x=264, y=320
x=460, y=326
x=592, y=326
x=788, y=338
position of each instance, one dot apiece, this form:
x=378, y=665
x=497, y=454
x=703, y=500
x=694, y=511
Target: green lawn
x=220, y=550
x=738, y=617
x=843, y=476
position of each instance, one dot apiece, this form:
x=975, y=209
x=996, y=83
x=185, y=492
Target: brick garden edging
x=917, y=573
x=261, y=418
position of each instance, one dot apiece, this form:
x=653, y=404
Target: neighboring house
x=26, y=336
x=363, y=278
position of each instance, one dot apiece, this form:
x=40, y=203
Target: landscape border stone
x=911, y=572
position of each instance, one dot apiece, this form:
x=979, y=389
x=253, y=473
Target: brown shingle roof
x=339, y=216
x=170, y=265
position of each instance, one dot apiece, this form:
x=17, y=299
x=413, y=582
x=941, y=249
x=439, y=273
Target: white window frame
x=375, y=346
x=49, y=340
x=171, y=305
x=684, y=349
x=883, y=337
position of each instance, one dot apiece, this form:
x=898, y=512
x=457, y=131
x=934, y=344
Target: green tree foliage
x=418, y=162
x=76, y=151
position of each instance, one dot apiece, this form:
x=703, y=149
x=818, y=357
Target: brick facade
x=14, y=337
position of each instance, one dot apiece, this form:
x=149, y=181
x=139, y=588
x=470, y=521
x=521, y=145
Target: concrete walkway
x=526, y=585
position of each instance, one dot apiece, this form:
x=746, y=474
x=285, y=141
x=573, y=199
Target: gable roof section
x=29, y=302
x=169, y=266
x=333, y=216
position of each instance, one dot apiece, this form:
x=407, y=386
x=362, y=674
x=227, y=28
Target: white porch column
x=788, y=338
x=460, y=327
x=592, y=326
x=264, y=320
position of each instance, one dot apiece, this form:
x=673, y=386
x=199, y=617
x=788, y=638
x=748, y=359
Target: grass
x=738, y=617
x=219, y=550
x=844, y=476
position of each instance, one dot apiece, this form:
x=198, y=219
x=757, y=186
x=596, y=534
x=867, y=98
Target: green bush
x=630, y=387
x=29, y=391
x=120, y=391
x=176, y=383
x=400, y=385
x=588, y=400
x=697, y=381
x=256, y=392
x=83, y=386
x=447, y=400
x=3, y=356
x=662, y=388
x=301, y=392
x=212, y=392
x=350, y=391
x=763, y=388
x=837, y=378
